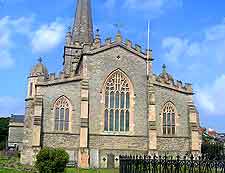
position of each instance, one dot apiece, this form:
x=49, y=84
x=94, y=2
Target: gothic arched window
x=62, y=109
x=117, y=103
x=169, y=119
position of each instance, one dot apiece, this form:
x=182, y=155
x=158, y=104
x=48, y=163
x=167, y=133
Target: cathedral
x=106, y=102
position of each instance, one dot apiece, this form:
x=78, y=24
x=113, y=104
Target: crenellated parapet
x=98, y=46
x=54, y=78
x=166, y=80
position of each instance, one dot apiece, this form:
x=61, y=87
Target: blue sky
x=187, y=35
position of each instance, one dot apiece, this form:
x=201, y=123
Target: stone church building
x=107, y=101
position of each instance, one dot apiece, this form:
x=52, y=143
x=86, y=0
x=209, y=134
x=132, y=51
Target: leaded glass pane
x=57, y=114
x=127, y=120
x=164, y=130
x=111, y=120
x=117, y=99
x=164, y=119
x=173, y=130
x=168, y=130
x=168, y=119
x=112, y=99
x=61, y=123
x=67, y=119
x=117, y=120
x=106, y=128
x=122, y=100
x=127, y=100
x=173, y=119
x=122, y=121
x=106, y=99
x=57, y=119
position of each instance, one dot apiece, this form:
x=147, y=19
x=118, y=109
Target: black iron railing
x=165, y=164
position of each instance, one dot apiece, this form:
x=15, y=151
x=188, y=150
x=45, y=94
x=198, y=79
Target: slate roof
x=17, y=118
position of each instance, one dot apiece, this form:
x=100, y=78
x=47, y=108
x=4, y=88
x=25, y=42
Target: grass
x=11, y=165
x=69, y=170
x=72, y=170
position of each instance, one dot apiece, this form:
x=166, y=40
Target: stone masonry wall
x=119, y=142
x=99, y=67
x=181, y=140
x=16, y=134
x=51, y=94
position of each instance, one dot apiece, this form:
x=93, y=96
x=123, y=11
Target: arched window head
x=62, y=110
x=169, y=119
x=117, y=94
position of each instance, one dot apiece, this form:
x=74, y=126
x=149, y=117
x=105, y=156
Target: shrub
x=50, y=160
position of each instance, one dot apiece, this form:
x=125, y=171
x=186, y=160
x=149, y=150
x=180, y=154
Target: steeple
x=83, y=27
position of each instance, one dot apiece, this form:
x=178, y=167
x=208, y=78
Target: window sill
x=116, y=133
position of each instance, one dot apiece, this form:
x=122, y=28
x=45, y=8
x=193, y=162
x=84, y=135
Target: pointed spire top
x=83, y=27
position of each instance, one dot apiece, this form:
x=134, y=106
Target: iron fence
x=165, y=164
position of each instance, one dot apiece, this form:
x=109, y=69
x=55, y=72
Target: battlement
x=97, y=44
x=61, y=77
x=169, y=82
x=109, y=42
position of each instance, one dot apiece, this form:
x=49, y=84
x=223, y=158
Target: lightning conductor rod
x=148, y=50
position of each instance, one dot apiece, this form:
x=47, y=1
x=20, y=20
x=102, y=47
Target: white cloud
x=211, y=98
x=6, y=60
x=11, y=105
x=48, y=37
x=152, y=5
x=8, y=28
x=210, y=46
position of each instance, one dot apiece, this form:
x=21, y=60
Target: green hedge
x=51, y=160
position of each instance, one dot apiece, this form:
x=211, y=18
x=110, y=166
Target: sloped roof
x=17, y=118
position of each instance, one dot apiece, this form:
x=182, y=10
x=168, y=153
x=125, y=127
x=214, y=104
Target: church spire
x=83, y=27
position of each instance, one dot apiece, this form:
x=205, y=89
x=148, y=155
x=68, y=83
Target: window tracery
x=117, y=103
x=169, y=119
x=62, y=114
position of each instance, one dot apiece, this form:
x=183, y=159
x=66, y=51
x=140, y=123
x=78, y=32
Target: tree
x=52, y=160
x=4, y=129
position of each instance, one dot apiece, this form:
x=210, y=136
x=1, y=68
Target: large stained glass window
x=62, y=114
x=117, y=103
x=169, y=119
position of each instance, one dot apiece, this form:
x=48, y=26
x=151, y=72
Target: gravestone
x=94, y=158
x=110, y=161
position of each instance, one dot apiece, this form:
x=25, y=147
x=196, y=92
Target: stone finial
x=188, y=87
x=52, y=76
x=179, y=84
x=40, y=60
x=128, y=43
x=164, y=71
x=108, y=41
x=138, y=47
x=61, y=75
x=119, y=38
x=39, y=69
x=68, y=36
x=97, y=41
